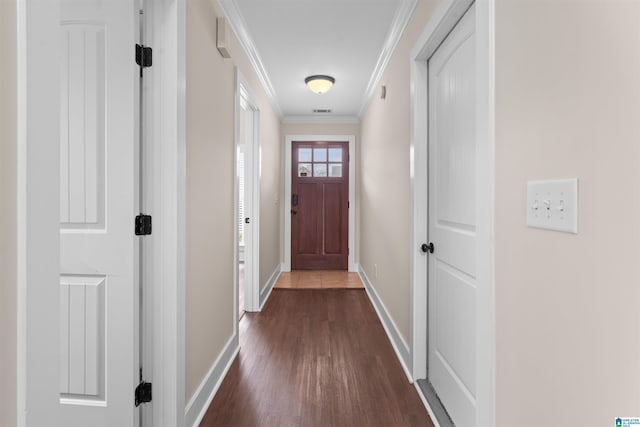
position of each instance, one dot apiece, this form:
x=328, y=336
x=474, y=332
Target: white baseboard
x=264, y=294
x=284, y=268
x=397, y=342
x=434, y=420
x=199, y=403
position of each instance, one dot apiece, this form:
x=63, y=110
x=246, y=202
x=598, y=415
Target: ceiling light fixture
x=319, y=83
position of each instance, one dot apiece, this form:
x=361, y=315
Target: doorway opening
x=240, y=152
x=319, y=205
x=313, y=177
x=452, y=336
x=247, y=199
x=452, y=224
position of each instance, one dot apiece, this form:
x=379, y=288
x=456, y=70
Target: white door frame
x=441, y=23
x=169, y=210
x=38, y=92
x=286, y=265
x=253, y=173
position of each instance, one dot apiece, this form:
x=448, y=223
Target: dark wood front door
x=320, y=205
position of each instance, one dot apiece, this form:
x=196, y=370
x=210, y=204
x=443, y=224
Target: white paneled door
x=452, y=227
x=98, y=306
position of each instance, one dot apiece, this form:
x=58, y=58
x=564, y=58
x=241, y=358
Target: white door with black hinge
x=97, y=312
x=452, y=227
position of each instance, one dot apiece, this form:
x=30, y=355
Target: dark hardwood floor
x=315, y=358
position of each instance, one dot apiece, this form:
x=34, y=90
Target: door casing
x=352, y=263
x=445, y=17
x=252, y=198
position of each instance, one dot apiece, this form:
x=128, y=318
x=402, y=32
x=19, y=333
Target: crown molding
x=239, y=27
x=328, y=119
x=399, y=24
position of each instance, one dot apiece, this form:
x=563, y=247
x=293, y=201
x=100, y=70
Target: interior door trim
x=352, y=264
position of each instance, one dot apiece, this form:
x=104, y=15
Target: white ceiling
x=288, y=40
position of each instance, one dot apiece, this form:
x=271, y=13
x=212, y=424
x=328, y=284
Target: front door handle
x=293, y=212
x=427, y=248
x=247, y=220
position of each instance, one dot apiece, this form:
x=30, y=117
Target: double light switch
x=553, y=205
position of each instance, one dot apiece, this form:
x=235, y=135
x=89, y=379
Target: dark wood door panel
x=307, y=217
x=333, y=220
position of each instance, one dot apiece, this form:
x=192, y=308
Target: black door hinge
x=143, y=393
x=144, y=56
x=143, y=225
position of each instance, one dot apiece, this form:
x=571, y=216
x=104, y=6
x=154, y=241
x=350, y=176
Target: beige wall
x=210, y=219
x=8, y=185
x=209, y=257
x=568, y=105
x=384, y=191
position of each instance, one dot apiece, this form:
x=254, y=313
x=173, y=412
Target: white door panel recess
x=452, y=222
x=96, y=315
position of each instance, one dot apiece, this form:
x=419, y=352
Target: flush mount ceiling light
x=319, y=83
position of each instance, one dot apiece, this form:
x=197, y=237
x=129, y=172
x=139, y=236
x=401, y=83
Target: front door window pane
x=320, y=169
x=304, y=169
x=335, y=170
x=319, y=154
x=304, y=154
x=335, y=154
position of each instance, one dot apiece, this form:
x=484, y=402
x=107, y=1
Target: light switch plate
x=553, y=205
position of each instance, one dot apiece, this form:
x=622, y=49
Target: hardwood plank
x=315, y=358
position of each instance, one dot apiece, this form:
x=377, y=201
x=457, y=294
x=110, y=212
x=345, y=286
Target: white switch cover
x=553, y=205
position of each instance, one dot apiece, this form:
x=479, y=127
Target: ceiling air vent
x=321, y=110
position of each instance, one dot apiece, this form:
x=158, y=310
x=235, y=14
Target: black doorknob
x=427, y=248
